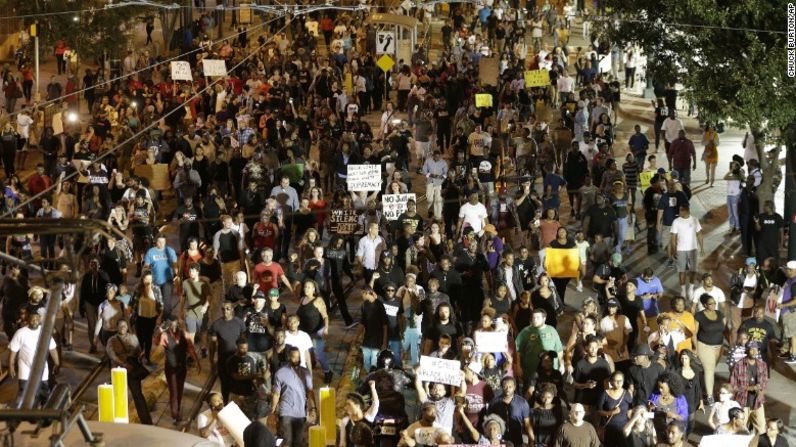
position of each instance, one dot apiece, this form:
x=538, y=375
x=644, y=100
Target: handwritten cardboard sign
x=364, y=177
x=483, y=100
x=440, y=371
x=537, y=78
x=492, y=341
x=181, y=71
x=157, y=175
x=393, y=205
x=343, y=221
x=214, y=67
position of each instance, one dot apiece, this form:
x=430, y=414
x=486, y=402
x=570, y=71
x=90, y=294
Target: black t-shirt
x=711, y=332
x=643, y=380
x=449, y=328
x=601, y=221
x=227, y=332
x=394, y=307
x=584, y=372
x=485, y=167
x=241, y=369
x=258, y=435
x=770, y=226
x=760, y=332
x=260, y=339
x=374, y=318
x=631, y=309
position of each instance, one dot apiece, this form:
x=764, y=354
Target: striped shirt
x=631, y=174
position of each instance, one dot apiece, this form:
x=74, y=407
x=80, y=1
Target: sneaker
x=327, y=377
x=710, y=401
x=579, y=287
x=791, y=360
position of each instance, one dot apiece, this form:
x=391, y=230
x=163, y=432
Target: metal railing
x=200, y=399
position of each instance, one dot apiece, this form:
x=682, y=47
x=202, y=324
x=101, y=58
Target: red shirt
x=276, y=273
x=264, y=235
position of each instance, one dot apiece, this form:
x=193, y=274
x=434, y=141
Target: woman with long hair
x=562, y=241
x=616, y=328
x=710, y=325
x=710, y=139
x=544, y=297
x=613, y=408
x=690, y=371
x=719, y=411
x=147, y=307
x=668, y=402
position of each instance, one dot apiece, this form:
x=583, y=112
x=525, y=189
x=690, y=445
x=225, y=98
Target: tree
x=730, y=55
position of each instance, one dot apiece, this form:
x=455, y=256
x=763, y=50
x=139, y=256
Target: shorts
x=686, y=261
x=193, y=324
x=789, y=325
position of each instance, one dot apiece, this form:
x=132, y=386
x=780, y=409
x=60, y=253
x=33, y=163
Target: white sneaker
x=579, y=287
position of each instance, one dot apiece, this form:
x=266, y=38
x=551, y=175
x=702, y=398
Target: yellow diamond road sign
x=385, y=63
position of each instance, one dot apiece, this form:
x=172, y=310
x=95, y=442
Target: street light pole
x=34, y=32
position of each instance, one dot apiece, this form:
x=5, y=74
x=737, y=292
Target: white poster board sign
x=773, y=296
x=725, y=441
x=492, y=341
x=392, y=205
x=214, y=67
x=364, y=177
x=233, y=419
x=181, y=71
x=440, y=371
x=385, y=42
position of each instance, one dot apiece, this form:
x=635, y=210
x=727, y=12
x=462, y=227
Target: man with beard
x=445, y=406
x=224, y=334
x=209, y=424
x=643, y=375
x=293, y=400
x=675, y=436
x=123, y=349
x=426, y=431
x=516, y=411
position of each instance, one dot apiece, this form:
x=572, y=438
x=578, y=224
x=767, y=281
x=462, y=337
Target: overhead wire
x=146, y=128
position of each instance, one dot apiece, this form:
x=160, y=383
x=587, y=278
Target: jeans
x=369, y=356
x=292, y=431
x=318, y=346
x=732, y=208
x=395, y=347
x=41, y=395
x=621, y=229
x=434, y=199
x=411, y=343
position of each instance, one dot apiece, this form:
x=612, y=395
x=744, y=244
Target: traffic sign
x=385, y=63
x=385, y=42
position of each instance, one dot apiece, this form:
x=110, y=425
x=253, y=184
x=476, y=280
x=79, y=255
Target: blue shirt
x=670, y=203
x=160, y=261
x=643, y=288
x=555, y=181
x=638, y=143
x=788, y=295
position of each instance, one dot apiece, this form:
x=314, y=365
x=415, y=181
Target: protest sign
x=537, y=78
x=392, y=205
x=562, y=262
x=726, y=440
x=157, y=174
x=214, y=67
x=440, y=371
x=483, y=100
x=773, y=297
x=492, y=341
x=343, y=221
x=488, y=71
x=364, y=177
x=234, y=420
x=181, y=71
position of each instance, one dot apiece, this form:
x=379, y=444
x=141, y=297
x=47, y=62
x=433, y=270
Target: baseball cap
x=751, y=261
x=791, y=265
x=612, y=303
x=274, y=292
x=259, y=294
x=752, y=344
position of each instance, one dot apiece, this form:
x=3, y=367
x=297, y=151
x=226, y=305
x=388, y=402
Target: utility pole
x=34, y=33
x=790, y=188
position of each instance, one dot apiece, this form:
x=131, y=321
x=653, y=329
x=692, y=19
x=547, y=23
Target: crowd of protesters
x=249, y=169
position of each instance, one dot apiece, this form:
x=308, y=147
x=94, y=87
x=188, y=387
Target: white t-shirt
x=686, y=231
x=302, y=341
x=716, y=293
x=607, y=324
x=23, y=125
x=219, y=435
x=473, y=215
x=24, y=343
